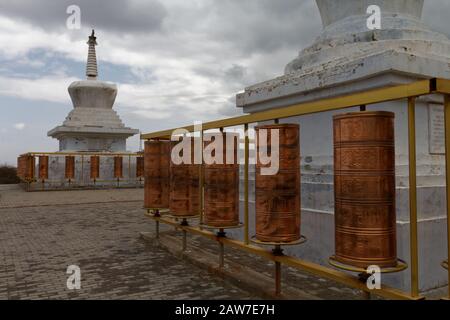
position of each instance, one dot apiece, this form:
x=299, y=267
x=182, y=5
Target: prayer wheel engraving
x=221, y=182
x=95, y=167
x=70, y=168
x=157, y=174
x=140, y=167
x=278, y=196
x=118, y=167
x=364, y=160
x=43, y=167
x=184, y=186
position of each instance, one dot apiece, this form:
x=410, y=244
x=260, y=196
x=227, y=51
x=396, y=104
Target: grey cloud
x=436, y=15
x=117, y=15
x=235, y=73
x=264, y=25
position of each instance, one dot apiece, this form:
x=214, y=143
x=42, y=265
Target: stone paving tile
x=37, y=244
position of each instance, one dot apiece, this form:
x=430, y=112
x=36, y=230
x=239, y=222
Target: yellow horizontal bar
x=312, y=268
x=404, y=91
x=443, y=86
x=73, y=181
x=104, y=154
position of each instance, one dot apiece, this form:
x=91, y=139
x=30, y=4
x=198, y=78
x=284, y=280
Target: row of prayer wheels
x=364, y=164
x=95, y=167
x=176, y=186
x=26, y=165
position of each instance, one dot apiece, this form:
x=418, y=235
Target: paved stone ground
x=12, y=196
x=37, y=244
x=42, y=233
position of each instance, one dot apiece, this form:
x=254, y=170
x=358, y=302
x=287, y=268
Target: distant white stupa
x=92, y=125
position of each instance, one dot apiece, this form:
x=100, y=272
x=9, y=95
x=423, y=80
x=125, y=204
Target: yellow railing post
x=413, y=197
x=246, y=171
x=201, y=182
x=447, y=173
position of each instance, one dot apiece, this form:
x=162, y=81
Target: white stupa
x=92, y=125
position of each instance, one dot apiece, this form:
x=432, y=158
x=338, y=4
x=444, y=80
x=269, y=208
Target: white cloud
x=19, y=126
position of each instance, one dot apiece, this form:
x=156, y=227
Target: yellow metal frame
x=81, y=154
x=401, y=266
x=407, y=92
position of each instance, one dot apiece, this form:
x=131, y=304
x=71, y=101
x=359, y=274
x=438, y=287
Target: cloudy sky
x=175, y=61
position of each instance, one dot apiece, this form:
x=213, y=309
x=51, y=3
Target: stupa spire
x=91, y=67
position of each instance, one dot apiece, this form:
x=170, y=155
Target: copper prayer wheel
x=364, y=161
x=118, y=167
x=278, y=196
x=157, y=174
x=43, y=167
x=95, y=167
x=184, y=186
x=20, y=167
x=139, y=167
x=25, y=167
x=70, y=168
x=221, y=182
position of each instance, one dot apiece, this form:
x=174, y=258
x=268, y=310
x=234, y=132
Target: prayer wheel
x=221, y=181
x=139, y=167
x=364, y=161
x=19, y=172
x=278, y=195
x=70, y=168
x=184, y=185
x=118, y=167
x=157, y=174
x=43, y=167
x=95, y=167
x=25, y=167
x=21, y=167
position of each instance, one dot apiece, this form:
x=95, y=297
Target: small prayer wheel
x=364, y=162
x=278, y=195
x=43, y=167
x=221, y=180
x=157, y=174
x=184, y=185
x=26, y=167
x=19, y=167
x=140, y=167
x=118, y=167
x=95, y=167
x=70, y=168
